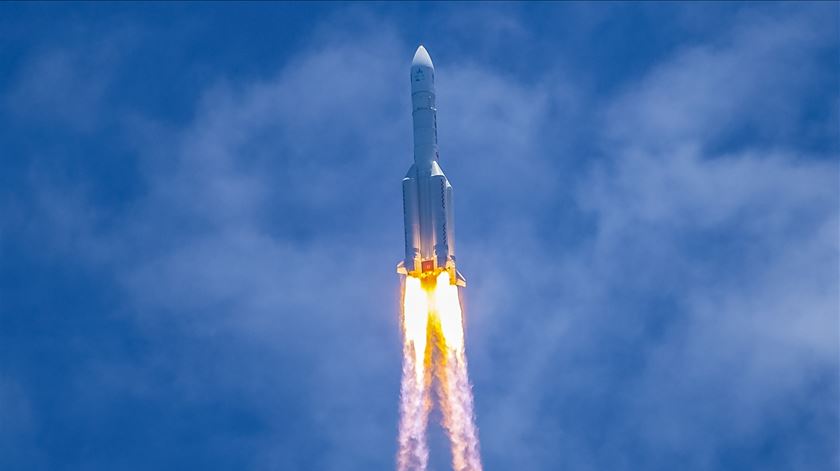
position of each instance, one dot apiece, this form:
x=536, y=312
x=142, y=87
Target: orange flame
x=432, y=316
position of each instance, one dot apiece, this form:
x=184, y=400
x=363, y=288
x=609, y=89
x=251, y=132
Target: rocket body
x=427, y=193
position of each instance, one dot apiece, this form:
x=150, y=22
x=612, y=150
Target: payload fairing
x=427, y=194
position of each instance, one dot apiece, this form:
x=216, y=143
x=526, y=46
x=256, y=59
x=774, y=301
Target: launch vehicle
x=427, y=193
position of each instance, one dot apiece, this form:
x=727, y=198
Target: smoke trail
x=453, y=380
x=432, y=317
x=413, y=452
x=458, y=402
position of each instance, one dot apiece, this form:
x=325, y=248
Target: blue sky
x=200, y=216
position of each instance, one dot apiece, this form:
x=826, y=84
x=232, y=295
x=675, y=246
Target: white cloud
x=751, y=78
x=64, y=86
x=18, y=425
x=734, y=255
x=272, y=223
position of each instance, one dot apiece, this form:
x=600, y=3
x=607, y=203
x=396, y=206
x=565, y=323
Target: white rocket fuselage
x=427, y=194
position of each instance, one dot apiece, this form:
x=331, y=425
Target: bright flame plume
x=413, y=452
x=433, y=317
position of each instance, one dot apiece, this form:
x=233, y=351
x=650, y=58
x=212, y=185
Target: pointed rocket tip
x=421, y=58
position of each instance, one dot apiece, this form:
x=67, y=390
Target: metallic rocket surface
x=427, y=194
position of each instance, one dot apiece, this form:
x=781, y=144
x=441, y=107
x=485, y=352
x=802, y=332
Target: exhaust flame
x=413, y=453
x=415, y=320
x=447, y=308
x=433, y=317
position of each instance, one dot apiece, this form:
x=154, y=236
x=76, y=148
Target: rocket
x=427, y=194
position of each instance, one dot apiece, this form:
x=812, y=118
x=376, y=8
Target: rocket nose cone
x=421, y=58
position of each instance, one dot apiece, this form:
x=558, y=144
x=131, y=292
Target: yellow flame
x=448, y=310
x=432, y=313
x=416, y=312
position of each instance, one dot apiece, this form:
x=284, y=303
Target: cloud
x=260, y=230
x=706, y=295
x=64, y=86
x=741, y=83
x=17, y=424
x=656, y=298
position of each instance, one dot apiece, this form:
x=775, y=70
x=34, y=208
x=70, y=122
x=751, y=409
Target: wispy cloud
x=666, y=295
x=64, y=86
x=749, y=82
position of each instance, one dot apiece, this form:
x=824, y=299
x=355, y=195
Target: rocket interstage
x=427, y=193
x=432, y=322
